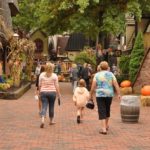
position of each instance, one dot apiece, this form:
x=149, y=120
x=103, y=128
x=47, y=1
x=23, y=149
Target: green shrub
x=9, y=81
x=122, y=77
x=86, y=56
x=124, y=64
x=136, y=56
x=4, y=86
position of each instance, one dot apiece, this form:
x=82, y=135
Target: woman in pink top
x=48, y=87
x=80, y=98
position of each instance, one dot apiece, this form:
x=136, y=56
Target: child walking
x=80, y=98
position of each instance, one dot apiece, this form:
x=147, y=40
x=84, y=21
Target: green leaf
x=96, y=1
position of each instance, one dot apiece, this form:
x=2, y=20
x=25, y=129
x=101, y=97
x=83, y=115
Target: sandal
x=107, y=128
x=78, y=119
x=52, y=123
x=102, y=132
x=42, y=125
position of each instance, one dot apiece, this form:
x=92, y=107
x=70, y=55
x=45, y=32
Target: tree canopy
x=87, y=16
x=27, y=18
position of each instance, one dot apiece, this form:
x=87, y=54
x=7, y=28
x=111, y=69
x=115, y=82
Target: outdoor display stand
x=130, y=108
x=65, y=70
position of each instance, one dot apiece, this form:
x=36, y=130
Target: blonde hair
x=49, y=67
x=104, y=65
x=74, y=66
x=82, y=83
x=99, y=46
x=85, y=65
x=98, y=68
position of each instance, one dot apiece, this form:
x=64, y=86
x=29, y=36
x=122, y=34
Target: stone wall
x=143, y=77
x=5, y=10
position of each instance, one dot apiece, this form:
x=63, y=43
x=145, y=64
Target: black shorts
x=103, y=104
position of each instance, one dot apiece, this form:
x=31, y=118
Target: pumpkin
x=59, y=77
x=62, y=78
x=125, y=83
x=146, y=90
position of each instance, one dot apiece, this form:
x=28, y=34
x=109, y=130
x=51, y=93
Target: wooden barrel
x=130, y=108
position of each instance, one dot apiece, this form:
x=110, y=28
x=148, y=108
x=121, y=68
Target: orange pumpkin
x=146, y=90
x=59, y=77
x=125, y=83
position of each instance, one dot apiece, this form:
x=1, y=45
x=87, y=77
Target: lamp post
x=16, y=36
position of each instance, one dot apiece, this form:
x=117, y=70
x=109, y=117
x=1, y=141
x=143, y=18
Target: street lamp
x=16, y=36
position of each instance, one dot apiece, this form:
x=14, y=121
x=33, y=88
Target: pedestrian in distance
x=80, y=98
x=74, y=80
x=85, y=75
x=99, y=53
x=57, y=68
x=49, y=88
x=38, y=69
x=1, y=72
x=104, y=82
x=114, y=69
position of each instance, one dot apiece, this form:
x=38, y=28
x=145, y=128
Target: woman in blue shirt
x=104, y=83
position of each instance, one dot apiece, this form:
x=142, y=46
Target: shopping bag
x=90, y=104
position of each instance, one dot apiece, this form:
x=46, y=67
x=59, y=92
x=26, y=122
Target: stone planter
x=16, y=93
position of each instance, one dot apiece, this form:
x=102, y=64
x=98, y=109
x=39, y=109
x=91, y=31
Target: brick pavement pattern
x=19, y=127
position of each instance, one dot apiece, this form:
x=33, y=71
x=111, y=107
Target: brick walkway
x=19, y=127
